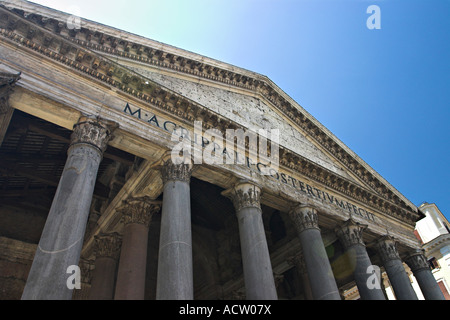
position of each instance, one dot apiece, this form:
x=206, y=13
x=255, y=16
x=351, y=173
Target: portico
x=180, y=231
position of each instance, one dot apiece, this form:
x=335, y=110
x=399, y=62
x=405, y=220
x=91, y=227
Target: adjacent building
x=433, y=232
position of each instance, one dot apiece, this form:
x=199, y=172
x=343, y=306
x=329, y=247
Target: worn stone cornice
x=45, y=37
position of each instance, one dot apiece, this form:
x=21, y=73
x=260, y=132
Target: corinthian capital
x=139, y=210
x=93, y=132
x=7, y=82
x=175, y=171
x=108, y=245
x=244, y=194
x=304, y=217
x=417, y=261
x=350, y=233
x=387, y=249
x=298, y=261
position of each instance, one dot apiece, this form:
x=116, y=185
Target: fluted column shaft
x=395, y=270
x=136, y=217
x=323, y=284
x=258, y=274
x=422, y=272
x=350, y=235
x=62, y=237
x=175, y=269
x=107, y=248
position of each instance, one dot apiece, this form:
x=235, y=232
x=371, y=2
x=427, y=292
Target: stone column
x=175, y=270
x=421, y=270
x=136, y=217
x=321, y=277
x=107, y=248
x=397, y=275
x=299, y=262
x=258, y=274
x=350, y=235
x=62, y=238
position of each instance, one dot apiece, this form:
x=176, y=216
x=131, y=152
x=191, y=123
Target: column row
x=62, y=238
x=368, y=279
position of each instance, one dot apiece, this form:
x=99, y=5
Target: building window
x=434, y=264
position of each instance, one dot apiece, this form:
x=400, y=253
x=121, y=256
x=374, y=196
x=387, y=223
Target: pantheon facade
x=93, y=205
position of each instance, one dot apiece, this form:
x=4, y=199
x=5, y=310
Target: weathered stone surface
x=175, y=269
x=251, y=112
x=62, y=238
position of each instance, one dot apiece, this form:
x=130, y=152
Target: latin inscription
x=281, y=177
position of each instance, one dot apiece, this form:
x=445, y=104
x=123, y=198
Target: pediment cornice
x=82, y=51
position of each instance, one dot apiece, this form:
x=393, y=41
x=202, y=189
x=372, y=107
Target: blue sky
x=385, y=92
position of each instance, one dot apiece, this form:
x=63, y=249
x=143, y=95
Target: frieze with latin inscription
x=308, y=190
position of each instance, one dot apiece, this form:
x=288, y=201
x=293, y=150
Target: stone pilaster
x=62, y=238
x=175, y=269
x=421, y=270
x=350, y=234
x=321, y=278
x=136, y=217
x=387, y=250
x=107, y=249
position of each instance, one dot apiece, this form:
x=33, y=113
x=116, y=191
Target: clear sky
x=384, y=92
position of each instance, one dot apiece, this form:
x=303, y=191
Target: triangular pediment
x=152, y=72
x=251, y=111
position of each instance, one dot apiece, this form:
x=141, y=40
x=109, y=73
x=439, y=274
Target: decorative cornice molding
x=417, y=261
x=350, y=233
x=387, y=249
x=52, y=39
x=437, y=243
x=304, y=218
x=93, y=132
